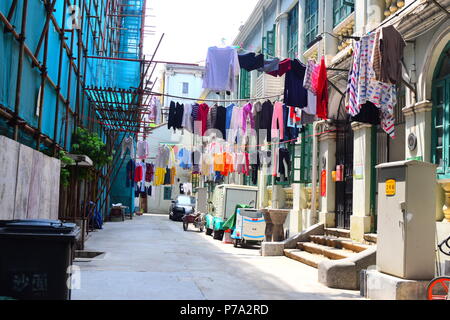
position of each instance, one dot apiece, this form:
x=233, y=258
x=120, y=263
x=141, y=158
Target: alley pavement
x=151, y=257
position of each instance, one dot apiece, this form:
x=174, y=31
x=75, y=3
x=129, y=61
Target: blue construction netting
x=110, y=31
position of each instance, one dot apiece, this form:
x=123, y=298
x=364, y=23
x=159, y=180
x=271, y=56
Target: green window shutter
x=441, y=116
x=292, y=36
x=244, y=92
x=264, y=47
x=167, y=193
x=306, y=155
x=341, y=10
x=270, y=42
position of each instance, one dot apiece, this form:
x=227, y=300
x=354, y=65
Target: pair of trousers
x=278, y=117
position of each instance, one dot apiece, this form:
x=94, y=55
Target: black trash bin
x=34, y=259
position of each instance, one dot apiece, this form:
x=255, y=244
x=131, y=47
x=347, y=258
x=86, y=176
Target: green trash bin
x=34, y=259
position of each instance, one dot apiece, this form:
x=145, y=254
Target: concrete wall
x=29, y=182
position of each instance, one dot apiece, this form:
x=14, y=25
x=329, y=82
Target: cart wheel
x=218, y=234
x=236, y=243
x=201, y=228
x=438, y=289
x=185, y=226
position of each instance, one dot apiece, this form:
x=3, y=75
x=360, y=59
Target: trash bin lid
x=39, y=226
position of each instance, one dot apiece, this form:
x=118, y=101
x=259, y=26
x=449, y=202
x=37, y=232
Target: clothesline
x=214, y=100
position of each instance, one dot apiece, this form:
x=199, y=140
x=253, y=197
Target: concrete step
x=307, y=258
x=329, y=252
x=371, y=238
x=340, y=243
x=340, y=233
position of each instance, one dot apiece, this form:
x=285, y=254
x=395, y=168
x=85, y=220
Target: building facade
x=310, y=29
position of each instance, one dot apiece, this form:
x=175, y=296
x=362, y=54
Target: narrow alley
x=151, y=257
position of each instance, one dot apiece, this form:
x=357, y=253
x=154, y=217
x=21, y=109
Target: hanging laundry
x=310, y=80
x=266, y=118
x=270, y=66
x=363, y=86
x=187, y=122
x=221, y=69
x=202, y=116
x=294, y=93
x=283, y=67
x=150, y=171
x=130, y=173
x=142, y=149
x=139, y=173
x=221, y=118
x=322, y=91
x=391, y=48
x=369, y=113
x=284, y=166
x=154, y=109
x=247, y=117
x=291, y=129
x=277, y=126
x=311, y=108
x=256, y=112
x=184, y=157
x=250, y=61
x=228, y=120
x=236, y=124
x=211, y=118
x=128, y=145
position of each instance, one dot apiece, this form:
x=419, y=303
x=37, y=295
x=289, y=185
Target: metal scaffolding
x=70, y=64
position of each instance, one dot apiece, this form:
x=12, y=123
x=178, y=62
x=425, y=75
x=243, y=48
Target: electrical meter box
x=406, y=219
x=228, y=196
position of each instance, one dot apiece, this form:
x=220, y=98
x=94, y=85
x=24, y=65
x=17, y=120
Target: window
x=311, y=22
x=292, y=41
x=268, y=43
x=244, y=84
x=167, y=193
x=441, y=116
x=341, y=10
x=185, y=88
x=306, y=155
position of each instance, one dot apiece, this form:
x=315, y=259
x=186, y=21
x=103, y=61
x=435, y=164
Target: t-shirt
x=283, y=67
x=222, y=68
x=294, y=93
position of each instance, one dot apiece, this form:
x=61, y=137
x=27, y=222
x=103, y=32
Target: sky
x=191, y=26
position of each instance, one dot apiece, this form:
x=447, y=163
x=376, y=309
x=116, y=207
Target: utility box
x=406, y=219
x=228, y=196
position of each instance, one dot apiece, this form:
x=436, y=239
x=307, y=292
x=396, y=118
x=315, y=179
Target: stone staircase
x=334, y=244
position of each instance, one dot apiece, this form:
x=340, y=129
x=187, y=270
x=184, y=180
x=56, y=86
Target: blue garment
x=185, y=156
x=290, y=133
x=228, y=122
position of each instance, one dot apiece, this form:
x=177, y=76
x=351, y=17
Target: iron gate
x=344, y=188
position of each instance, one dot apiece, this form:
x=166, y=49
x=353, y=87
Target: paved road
x=151, y=257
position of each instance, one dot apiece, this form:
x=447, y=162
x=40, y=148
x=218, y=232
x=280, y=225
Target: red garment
x=283, y=67
x=138, y=174
x=202, y=116
x=322, y=91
